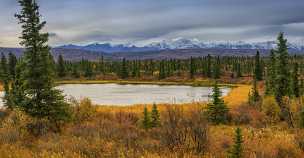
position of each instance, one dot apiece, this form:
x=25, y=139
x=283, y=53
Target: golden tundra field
x=116, y=132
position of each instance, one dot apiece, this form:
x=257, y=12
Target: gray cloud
x=79, y=21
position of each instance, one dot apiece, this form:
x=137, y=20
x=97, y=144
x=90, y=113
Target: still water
x=117, y=94
x=122, y=95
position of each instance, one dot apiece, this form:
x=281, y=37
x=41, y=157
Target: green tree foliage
x=217, y=69
x=209, y=64
x=40, y=98
x=155, y=117
x=146, y=121
x=254, y=96
x=124, y=69
x=192, y=68
x=271, y=74
x=237, y=148
x=162, y=73
x=88, y=69
x=258, y=71
x=217, y=111
x=282, y=82
x=12, y=62
x=295, y=81
x=61, y=67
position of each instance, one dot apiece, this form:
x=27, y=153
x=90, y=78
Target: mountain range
x=180, y=43
x=177, y=48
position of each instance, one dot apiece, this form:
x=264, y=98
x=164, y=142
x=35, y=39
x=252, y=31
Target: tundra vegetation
x=262, y=117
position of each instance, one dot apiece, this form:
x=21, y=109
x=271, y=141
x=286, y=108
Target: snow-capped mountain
x=108, y=48
x=180, y=43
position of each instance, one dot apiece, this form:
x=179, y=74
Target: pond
x=128, y=94
x=131, y=94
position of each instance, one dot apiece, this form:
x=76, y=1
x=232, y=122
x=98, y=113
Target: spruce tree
x=88, y=72
x=192, y=68
x=209, y=63
x=162, y=73
x=217, y=69
x=295, y=81
x=75, y=72
x=124, y=69
x=146, y=121
x=237, y=148
x=40, y=98
x=271, y=74
x=12, y=62
x=254, y=96
x=282, y=82
x=17, y=90
x=238, y=70
x=155, y=118
x=217, y=111
x=61, y=67
x=258, y=71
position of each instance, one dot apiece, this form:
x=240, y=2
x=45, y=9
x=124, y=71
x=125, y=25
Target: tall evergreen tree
x=146, y=122
x=40, y=100
x=124, y=69
x=61, y=67
x=209, y=63
x=238, y=70
x=295, y=81
x=155, y=118
x=258, y=71
x=12, y=62
x=237, y=149
x=217, y=68
x=88, y=72
x=192, y=68
x=254, y=96
x=162, y=73
x=271, y=74
x=217, y=111
x=282, y=83
x=282, y=70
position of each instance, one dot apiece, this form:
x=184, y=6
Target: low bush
x=271, y=109
x=83, y=110
x=180, y=133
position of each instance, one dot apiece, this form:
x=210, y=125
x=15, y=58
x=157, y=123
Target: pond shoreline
x=196, y=83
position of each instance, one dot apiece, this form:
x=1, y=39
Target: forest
x=262, y=116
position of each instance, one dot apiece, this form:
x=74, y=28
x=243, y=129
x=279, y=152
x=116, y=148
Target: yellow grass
x=237, y=96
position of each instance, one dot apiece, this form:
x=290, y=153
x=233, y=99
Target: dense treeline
x=207, y=67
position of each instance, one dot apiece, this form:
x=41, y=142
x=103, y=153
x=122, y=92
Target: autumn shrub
x=126, y=118
x=299, y=139
x=180, y=133
x=247, y=115
x=271, y=109
x=14, y=127
x=83, y=110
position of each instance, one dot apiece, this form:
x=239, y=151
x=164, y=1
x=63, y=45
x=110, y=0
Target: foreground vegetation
x=183, y=132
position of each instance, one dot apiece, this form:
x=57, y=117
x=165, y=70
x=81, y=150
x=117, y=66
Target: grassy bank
x=199, y=83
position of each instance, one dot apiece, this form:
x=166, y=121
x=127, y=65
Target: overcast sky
x=143, y=21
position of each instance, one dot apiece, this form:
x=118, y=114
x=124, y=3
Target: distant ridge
x=180, y=43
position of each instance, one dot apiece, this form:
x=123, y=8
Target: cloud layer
x=140, y=21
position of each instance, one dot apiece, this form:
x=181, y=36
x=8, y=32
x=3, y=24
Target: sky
x=143, y=21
